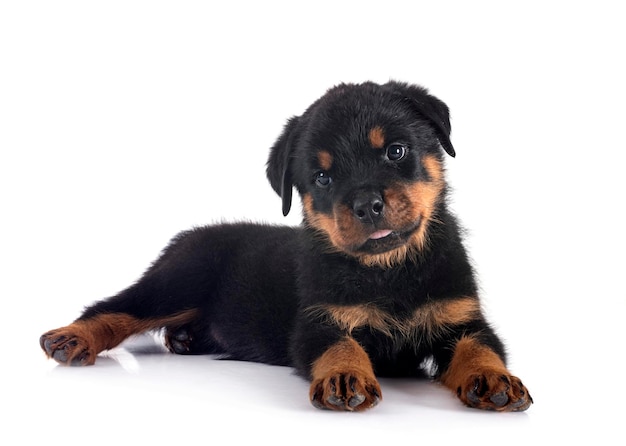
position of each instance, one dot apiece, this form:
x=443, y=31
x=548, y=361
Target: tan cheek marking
x=406, y=204
x=319, y=221
x=377, y=137
x=341, y=228
x=424, y=195
x=434, y=168
x=351, y=230
x=325, y=159
x=400, y=206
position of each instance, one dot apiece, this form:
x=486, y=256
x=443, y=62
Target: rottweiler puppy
x=375, y=282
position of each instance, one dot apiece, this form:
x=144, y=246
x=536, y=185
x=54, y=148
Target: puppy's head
x=367, y=162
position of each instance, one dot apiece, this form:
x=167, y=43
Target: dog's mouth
x=377, y=235
x=383, y=240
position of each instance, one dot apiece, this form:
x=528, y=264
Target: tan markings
x=434, y=168
x=342, y=378
x=405, y=206
x=377, y=137
x=349, y=317
x=340, y=231
x=471, y=358
x=109, y=330
x=480, y=378
x=345, y=354
x=344, y=232
x=88, y=337
x=388, y=259
x=325, y=159
x=436, y=318
x=424, y=196
x=427, y=323
x=414, y=202
x=456, y=311
x=322, y=222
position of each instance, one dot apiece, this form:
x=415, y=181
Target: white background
x=124, y=122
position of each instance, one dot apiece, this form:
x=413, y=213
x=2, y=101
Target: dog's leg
x=170, y=294
x=343, y=378
x=80, y=342
x=479, y=377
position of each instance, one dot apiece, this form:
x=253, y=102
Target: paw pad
x=493, y=391
x=345, y=392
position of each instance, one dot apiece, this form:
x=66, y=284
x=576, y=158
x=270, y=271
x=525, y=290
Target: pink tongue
x=380, y=234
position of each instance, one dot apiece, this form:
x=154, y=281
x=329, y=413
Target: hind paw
x=67, y=347
x=179, y=340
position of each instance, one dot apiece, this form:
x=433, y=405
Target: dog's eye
x=395, y=152
x=322, y=179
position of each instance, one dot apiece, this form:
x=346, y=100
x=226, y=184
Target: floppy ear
x=278, y=165
x=433, y=109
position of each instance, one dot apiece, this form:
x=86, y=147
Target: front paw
x=67, y=348
x=345, y=391
x=495, y=391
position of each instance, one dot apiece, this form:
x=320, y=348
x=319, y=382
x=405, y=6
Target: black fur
x=253, y=286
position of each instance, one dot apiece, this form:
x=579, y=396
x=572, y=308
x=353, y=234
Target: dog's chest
x=425, y=323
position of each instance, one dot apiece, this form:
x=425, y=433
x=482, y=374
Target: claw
x=60, y=355
x=499, y=399
x=356, y=400
x=47, y=344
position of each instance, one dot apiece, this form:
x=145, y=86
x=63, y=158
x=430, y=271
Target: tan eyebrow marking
x=377, y=137
x=325, y=159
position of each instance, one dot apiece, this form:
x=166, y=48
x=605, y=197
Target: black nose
x=368, y=208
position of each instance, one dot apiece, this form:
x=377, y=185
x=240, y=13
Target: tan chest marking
x=426, y=323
